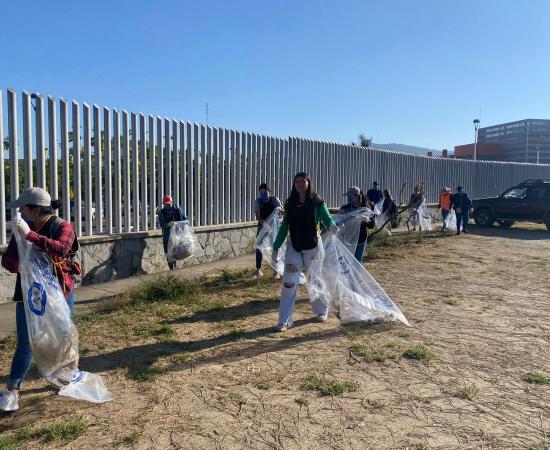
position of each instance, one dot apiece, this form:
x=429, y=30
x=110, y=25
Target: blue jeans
x=259, y=255
x=462, y=218
x=22, y=358
x=444, y=215
x=360, y=251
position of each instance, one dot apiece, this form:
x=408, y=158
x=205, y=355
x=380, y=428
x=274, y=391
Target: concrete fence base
x=105, y=258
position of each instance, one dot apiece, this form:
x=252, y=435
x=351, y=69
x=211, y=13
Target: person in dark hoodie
x=304, y=210
x=167, y=215
x=461, y=204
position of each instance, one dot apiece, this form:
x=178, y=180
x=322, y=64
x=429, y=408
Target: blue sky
x=407, y=71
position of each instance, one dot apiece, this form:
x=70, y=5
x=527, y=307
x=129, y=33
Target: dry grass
x=196, y=364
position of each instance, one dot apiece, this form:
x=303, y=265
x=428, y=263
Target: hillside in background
x=407, y=149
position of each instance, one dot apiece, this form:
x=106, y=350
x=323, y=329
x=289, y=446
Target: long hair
x=312, y=196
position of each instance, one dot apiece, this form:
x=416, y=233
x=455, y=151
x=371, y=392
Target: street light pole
x=476, y=128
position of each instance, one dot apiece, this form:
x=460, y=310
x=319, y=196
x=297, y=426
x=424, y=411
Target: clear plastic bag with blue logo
x=349, y=224
x=52, y=333
x=265, y=240
x=182, y=241
x=349, y=290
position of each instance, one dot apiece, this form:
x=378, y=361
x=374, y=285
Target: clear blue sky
x=407, y=71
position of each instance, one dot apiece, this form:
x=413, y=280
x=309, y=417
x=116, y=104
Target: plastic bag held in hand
x=182, y=241
x=265, y=240
x=343, y=283
x=450, y=220
x=53, y=335
x=349, y=224
x=424, y=218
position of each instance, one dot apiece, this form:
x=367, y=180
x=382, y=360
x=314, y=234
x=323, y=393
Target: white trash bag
x=265, y=240
x=424, y=218
x=378, y=207
x=182, y=242
x=450, y=220
x=52, y=333
x=349, y=224
x=343, y=283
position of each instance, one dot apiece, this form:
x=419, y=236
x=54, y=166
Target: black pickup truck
x=529, y=201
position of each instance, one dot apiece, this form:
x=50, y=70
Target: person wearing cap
x=264, y=206
x=52, y=235
x=356, y=199
x=461, y=204
x=374, y=195
x=304, y=211
x=167, y=215
x=444, y=204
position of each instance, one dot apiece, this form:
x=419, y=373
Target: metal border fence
x=111, y=168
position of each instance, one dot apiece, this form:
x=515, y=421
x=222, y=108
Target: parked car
x=529, y=201
x=83, y=211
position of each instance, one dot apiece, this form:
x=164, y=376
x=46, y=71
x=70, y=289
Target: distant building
x=485, y=152
x=514, y=141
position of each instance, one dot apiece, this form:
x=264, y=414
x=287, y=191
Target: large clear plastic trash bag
x=53, y=335
x=424, y=218
x=86, y=386
x=380, y=219
x=378, y=207
x=348, y=288
x=450, y=220
x=182, y=242
x=265, y=240
x=349, y=224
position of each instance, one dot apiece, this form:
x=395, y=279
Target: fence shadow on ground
x=142, y=357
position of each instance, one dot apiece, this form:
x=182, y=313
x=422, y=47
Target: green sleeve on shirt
x=281, y=235
x=324, y=216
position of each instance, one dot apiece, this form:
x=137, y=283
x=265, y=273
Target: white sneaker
x=322, y=317
x=258, y=274
x=283, y=327
x=9, y=401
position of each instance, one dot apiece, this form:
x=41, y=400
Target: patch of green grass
x=466, y=392
x=328, y=387
x=130, y=439
x=541, y=445
x=148, y=374
x=418, y=353
x=166, y=288
x=65, y=431
x=371, y=355
x=8, y=442
x=237, y=397
x=8, y=342
x=536, y=378
x=154, y=330
x=181, y=357
x=264, y=385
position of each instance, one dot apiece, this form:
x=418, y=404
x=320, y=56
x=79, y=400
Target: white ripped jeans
x=294, y=262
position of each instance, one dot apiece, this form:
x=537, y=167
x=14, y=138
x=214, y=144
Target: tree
x=363, y=141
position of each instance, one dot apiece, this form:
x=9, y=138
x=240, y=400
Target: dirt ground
x=216, y=376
